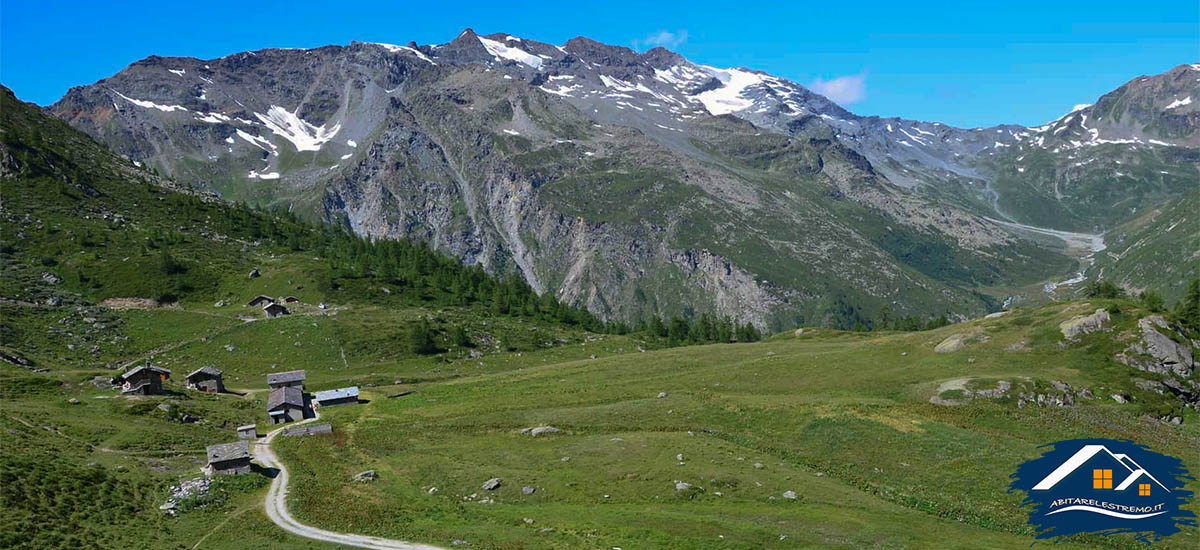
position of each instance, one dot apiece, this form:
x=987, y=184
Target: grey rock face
x=598, y=174
x=1157, y=352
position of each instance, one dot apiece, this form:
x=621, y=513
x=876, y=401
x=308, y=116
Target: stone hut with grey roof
x=228, y=459
x=206, y=379
x=285, y=404
x=295, y=378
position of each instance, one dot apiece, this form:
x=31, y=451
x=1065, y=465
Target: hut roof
x=228, y=451
x=211, y=371
x=290, y=395
x=340, y=393
x=148, y=368
x=285, y=377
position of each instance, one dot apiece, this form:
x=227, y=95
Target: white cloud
x=843, y=90
x=666, y=39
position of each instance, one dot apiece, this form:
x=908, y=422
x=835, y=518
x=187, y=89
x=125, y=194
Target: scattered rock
x=1083, y=324
x=790, y=495
x=540, y=430
x=459, y=542
x=1120, y=398
x=254, y=273
x=682, y=486
x=679, y=457
x=54, y=301
x=433, y=490
x=220, y=303
x=527, y=490
x=491, y=484
x=51, y=278
x=73, y=401
x=995, y=315
x=662, y=395
x=476, y=354
x=758, y=465
x=366, y=476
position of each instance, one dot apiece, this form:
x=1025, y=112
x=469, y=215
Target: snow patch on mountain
x=303, y=135
x=728, y=98
x=500, y=51
x=1180, y=102
x=151, y=104
x=398, y=49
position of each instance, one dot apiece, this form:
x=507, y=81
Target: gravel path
x=277, y=508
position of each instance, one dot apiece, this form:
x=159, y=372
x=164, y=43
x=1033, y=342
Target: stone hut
x=273, y=310
x=285, y=404
x=206, y=379
x=285, y=379
x=228, y=458
x=260, y=301
x=249, y=431
x=342, y=396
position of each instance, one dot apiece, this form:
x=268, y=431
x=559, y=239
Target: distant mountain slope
x=627, y=182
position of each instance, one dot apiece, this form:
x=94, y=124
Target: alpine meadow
x=499, y=293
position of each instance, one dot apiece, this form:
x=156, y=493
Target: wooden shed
x=146, y=380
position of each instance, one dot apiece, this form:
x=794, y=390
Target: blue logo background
x=1068, y=495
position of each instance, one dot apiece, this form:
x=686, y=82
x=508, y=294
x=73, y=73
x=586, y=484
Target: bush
x=420, y=338
x=1103, y=289
x=1153, y=301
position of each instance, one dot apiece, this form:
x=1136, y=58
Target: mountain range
x=639, y=184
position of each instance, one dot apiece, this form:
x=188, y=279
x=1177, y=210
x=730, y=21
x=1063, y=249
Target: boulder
x=364, y=476
x=254, y=273
x=1083, y=324
x=662, y=395
x=491, y=484
x=682, y=486
x=527, y=490
x=790, y=495
x=540, y=430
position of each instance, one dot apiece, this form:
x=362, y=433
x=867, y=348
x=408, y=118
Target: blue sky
x=961, y=63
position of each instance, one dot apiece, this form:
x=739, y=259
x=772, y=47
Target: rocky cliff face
x=632, y=183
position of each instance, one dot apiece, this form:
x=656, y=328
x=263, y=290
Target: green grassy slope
x=844, y=420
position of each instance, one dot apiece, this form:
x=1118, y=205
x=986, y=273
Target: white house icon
x=1086, y=453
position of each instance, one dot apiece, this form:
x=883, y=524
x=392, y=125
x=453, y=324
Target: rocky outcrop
x=959, y=341
x=1083, y=324
x=1156, y=352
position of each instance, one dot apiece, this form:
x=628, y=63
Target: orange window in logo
x=1102, y=479
x=1143, y=489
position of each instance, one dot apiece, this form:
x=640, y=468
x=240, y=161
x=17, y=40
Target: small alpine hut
x=274, y=310
x=341, y=396
x=145, y=380
x=260, y=301
x=249, y=431
x=285, y=379
x=206, y=379
x=285, y=404
x=228, y=458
